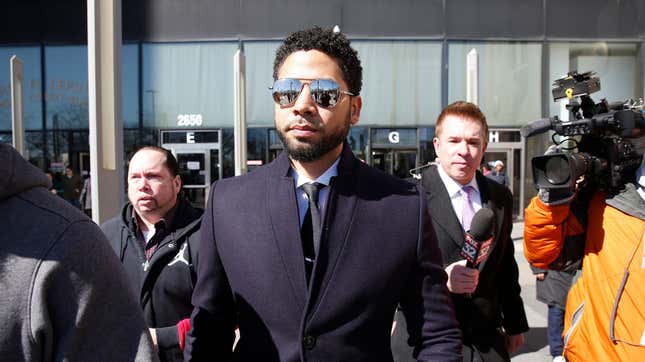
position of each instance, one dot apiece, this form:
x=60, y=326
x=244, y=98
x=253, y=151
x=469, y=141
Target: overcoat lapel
x=440, y=206
x=339, y=214
x=283, y=211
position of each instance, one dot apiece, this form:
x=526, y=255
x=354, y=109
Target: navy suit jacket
x=496, y=302
x=378, y=250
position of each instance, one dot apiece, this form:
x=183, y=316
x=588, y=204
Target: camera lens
x=557, y=170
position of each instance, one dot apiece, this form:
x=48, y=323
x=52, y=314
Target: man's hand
x=514, y=342
x=460, y=278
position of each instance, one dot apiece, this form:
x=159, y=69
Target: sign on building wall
x=190, y=137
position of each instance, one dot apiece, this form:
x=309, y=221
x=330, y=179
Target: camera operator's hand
x=553, y=197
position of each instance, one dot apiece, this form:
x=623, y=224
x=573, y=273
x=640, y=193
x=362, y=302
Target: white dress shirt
x=303, y=200
x=454, y=191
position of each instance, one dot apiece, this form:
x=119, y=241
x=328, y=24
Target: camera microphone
x=537, y=127
x=479, y=238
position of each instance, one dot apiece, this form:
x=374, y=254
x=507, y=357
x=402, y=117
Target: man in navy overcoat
x=329, y=294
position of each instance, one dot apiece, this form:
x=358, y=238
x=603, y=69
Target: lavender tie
x=467, y=210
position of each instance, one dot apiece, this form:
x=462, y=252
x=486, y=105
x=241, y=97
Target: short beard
x=309, y=152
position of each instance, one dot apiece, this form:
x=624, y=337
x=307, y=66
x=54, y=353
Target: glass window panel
x=32, y=106
x=6, y=137
x=357, y=139
x=130, y=142
x=274, y=139
x=188, y=79
x=256, y=144
x=36, y=152
x=133, y=140
x=259, y=77
x=615, y=64
x=228, y=157
x=130, y=85
x=426, y=148
x=34, y=148
x=66, y=87
x=509, y=80
x=401, y=82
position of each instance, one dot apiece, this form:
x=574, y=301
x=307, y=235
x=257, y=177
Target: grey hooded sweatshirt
x=63, y=293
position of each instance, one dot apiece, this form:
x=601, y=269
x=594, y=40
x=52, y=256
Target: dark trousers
x=555, y=325
x=489, y=346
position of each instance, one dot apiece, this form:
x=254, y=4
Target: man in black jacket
x=155, y=239
x=486, y=297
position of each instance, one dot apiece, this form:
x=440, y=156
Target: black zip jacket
x=164, y=284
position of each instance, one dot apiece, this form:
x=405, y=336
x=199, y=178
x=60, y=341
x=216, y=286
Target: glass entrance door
x=199, y=156
x=503, y=156
x=510, y=158
x=395, y=162
x=198, y=170
x=194, y=170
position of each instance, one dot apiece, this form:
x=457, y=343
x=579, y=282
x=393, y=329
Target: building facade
x=177, y=74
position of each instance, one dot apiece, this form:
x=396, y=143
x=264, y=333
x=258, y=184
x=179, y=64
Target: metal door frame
x=205, y=148
x=207, y=164
x=509, y=148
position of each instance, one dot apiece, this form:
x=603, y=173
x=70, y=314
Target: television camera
x=596, y=141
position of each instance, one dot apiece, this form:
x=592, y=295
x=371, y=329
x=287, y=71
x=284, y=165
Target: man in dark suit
x=318, y=280
x=487, y=298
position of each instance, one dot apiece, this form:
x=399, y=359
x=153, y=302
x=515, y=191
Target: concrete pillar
x=106, y=125
x=239, y=130
x=17, y=119
x=472, y=77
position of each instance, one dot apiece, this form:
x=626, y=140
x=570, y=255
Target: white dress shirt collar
x=324, y=179
x=453, y=186
x=454, y=191
x=301, y=197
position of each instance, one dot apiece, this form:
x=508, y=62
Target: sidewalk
x=536, y=346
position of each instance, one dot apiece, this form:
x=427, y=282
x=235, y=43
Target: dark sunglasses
x=325, y=92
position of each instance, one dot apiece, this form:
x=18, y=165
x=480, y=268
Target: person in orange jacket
x=604, y=318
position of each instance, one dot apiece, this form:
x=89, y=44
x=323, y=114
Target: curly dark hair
x=327, y=41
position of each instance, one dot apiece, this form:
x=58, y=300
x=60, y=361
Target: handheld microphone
x=479, y=238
